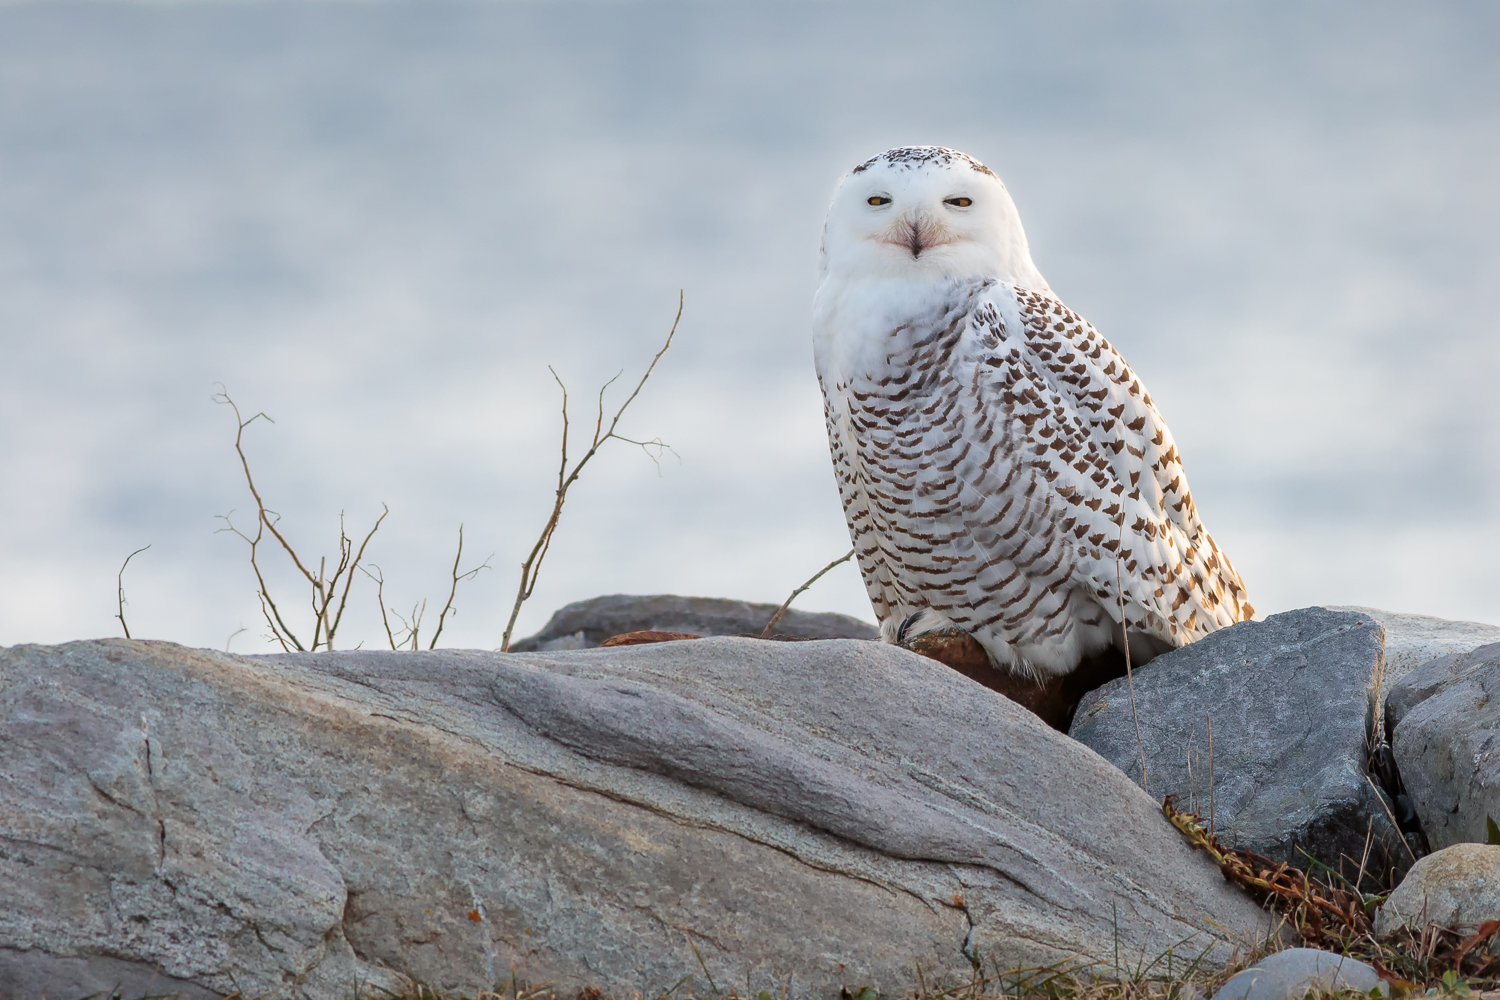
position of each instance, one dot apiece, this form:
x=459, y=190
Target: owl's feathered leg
x=1053, y=698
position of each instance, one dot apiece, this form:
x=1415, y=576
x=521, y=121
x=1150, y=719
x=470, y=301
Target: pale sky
x=380, y=222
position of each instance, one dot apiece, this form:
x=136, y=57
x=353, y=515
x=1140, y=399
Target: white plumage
x=999, y=463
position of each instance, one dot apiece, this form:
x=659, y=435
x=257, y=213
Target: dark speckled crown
x=911, y=157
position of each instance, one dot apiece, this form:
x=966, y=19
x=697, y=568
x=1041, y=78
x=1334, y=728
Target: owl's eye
x=960, y=202
x=878, y=199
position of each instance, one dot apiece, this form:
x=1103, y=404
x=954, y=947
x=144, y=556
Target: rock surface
x=809, y=815
x=1446, y=743
x=1291, y=700
x=585, y=624
x=38, y=975
x=1412, y=640
x=1458, y=886
x=1434, y=677
x=1295, y=972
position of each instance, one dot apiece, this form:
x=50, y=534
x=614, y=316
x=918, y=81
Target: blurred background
x=379, y=222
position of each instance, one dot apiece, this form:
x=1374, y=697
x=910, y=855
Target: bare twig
x=379, y=577
x=453, y=589
x=567, y=476
x=413, y=625
x=324, y=588
x=1323, y=915
x=120, y=588
x=1129, y=676
x=266, y=612
x=811, y=580
x=1359, y=880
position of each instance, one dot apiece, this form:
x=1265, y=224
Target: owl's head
x=926, y=211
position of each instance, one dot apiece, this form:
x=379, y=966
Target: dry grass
x=1166, y=977
x=1314, y=912
x=1324, y=910
x=1157, y=979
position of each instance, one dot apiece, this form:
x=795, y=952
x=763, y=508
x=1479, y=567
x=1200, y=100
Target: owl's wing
x=1075, y=414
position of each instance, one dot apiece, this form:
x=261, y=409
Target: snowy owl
x=1000, y=465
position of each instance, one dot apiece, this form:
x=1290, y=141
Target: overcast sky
x=380, y=222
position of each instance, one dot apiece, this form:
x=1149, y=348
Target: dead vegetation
x=1437, y=958
x=120, y=589
x=328, y=589
x=770, y=625
x=568, y=475
x=330, y=579
x=1327, y=910
x=411, y=627
x=1169, y=976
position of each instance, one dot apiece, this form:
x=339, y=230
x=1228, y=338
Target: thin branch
x=349, y=580
x=279, y=630
x=413, y=626
x=417, y=612
x=379, y=577
x=453, y=590
x=324, y=588
x=222, y=396
x=599, y=420
x=120, y=588
x=531, y=568
x=661, y=448
x=811, y=580
x=1359, y=880
x=275, y=632
x=320, y=613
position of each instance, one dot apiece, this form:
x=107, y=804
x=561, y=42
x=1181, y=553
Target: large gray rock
x=1458, y=887
x=807, y=814
x=1412, y=640
x=1433, y=677
x=1294, y=973
x=585, y=624
x=1446, y=743
x=1292, y=705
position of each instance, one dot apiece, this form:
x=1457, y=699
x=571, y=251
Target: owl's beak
x=916, y=234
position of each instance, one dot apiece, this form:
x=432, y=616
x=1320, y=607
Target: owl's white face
x=925, y=212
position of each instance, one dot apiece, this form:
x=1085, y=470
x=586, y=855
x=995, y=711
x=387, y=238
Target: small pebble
x=1458, y=886
x=1291, y=974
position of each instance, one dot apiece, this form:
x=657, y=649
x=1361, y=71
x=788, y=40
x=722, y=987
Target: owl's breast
x=869, y=332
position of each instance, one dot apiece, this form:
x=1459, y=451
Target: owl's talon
x=1053, y=699
x=906, y=623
